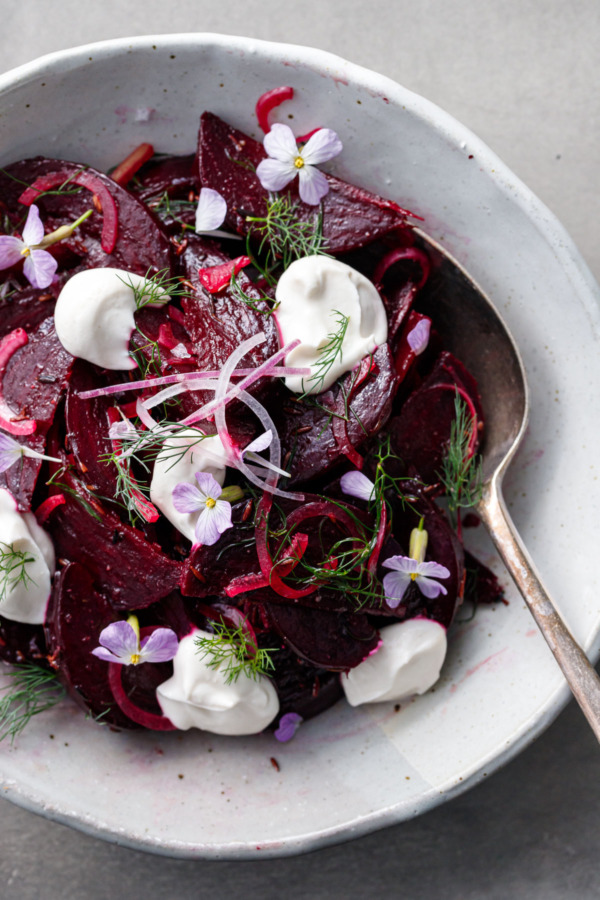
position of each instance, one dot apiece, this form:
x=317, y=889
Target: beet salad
x=233, y=452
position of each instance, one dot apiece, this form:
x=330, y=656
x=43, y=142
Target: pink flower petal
x=313, y=185
x=187, y=498
x=211, y=210
x=404, y=564
x=10, y=452
x=33, y=232
x=10, y=251
x=213, y=522
x=208, y=486
x=160, y=646
x=418, y=338
x=120, y=639
x=288, y=726
x=430, y=588
x=280, y=144
x=39, y=269
x=357, y=485
x=434, y=570
x=107, y=656
x=274, y=175
x=322, y=146
x=395, y=585
x=263, y=441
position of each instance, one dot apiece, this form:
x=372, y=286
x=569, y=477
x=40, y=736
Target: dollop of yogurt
x=25, y=599
x=313, y=293
x=408, y=662
x=94, y=315
x=197, y=696
x=188, y=451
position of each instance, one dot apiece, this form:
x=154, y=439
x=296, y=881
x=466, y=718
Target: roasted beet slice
x=21, y=643
x=218, y=323
x=328, y=640
x=174, y=176
x=421, y=432
x=302, y=688
x=132, y=571
x=33, y=384
x=351, y=216
x=78, y=612
x=142, y=243
x=317, y=439
x=481, y=584
x=26, y=308
x=87, y=429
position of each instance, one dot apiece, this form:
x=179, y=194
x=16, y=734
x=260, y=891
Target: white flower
x=211, y=211
x=214, y=515
x=286, y=160
x=40, y=266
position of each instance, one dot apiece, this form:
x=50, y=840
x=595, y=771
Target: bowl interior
x=349, y=771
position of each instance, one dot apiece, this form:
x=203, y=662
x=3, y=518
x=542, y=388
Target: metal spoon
x=474, y=331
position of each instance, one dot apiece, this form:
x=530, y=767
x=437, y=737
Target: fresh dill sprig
x=60, y=191
x=234, y=651
x=33, y=690
x=328, y=354
x=149, y=363
x=284, y=237
x=461, y=473
x=128, y=489
x=13, y=569
x=263, y=305
x=156, y=289
x=169, y=208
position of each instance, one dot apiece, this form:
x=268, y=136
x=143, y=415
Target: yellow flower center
x=414, y=576
x=26, y=252
x=299, y=162
x=135, y=658
x=210, y=502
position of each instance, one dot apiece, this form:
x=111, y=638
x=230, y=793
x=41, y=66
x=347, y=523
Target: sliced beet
x=311, y=434
x=142, y=243
x=78, y=612
x=174, y=176
x=481, y=584
x=421, y=432
x=87, y=429
x=300, y=687
x=228, y=158
x=33, y=384
x=328, y=640
x=27, y=308
x=21, y=643
x=132, y=571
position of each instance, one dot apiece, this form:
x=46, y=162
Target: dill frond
x=284, y=237
x=461, y=474
x=328, y=354
x=33, y=690
x=13, y=569
x=233, y=650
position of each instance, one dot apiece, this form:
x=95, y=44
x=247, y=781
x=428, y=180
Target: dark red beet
x=481, y=585
x=34, y=382
x=131, y=571
x=421, y=432
x=142, y=243
x=336, y=641
x=174, y=175
x=302, y=688
x=21, y=643
x=307, y=431
x=351, y=216
x=77, y=614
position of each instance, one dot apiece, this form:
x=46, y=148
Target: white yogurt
x=25, y=600
x=310, y=293
x=94, y=315
x=408, y=662
x=180, y=458
x=197, y=696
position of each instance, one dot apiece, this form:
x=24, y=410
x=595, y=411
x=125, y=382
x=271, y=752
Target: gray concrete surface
x=523, y=75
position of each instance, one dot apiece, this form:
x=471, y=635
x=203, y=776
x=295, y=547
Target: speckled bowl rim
x=567, y=256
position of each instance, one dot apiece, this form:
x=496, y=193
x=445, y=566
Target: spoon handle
x=577, y=669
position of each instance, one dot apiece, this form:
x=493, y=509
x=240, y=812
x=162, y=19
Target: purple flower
x=211, y=210
x=418, y=338
x=288, y=726
x=214, y=514
x=286, y=160
x=40, y=266
x=407, y=569
x=357, y=485
x=121, y=644
x=11, y=451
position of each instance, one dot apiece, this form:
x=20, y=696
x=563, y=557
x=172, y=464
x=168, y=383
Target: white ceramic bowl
x=349, y=771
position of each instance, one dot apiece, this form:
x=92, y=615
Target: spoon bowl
x=474, y=331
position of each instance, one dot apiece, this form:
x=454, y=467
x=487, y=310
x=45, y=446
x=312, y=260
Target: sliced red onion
x=199, y=384
x=403, y=253
x=268, y=101
x=144, y=416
